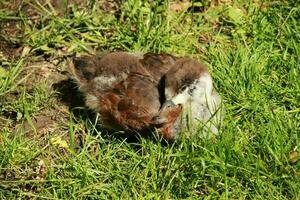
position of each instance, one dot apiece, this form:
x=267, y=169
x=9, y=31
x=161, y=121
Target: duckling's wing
x=141, y=95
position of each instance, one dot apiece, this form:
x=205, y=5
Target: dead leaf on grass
x=179, y=6
x=294, y=157
x=43, y=71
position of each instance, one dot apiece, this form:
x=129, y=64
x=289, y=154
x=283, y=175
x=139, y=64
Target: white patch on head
x=198, y=91
x=92, y=101
x=102, y=82
x=205, y=101
x=181, y=98
x=201, y=88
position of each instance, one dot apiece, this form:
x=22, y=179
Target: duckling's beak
x=165, y=114
x=162, y=117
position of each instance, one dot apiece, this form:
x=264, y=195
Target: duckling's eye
x=168, y=104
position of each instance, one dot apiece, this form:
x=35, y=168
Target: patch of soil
x=49, y=123
x=53, y=119
x=11, y=30
x=179, y=6
x=61, y=7
x=41, y=124
x=10, y=39
x=10, y=5
x=110, y=6
x=30, y=11
x=10, y=50
x=44, y=72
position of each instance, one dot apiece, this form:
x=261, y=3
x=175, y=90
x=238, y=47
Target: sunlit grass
x=252, y=51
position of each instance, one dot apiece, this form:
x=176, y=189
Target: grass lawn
x=50, y=147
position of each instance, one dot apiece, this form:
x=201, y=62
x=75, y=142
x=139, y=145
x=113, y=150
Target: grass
x=50, y=148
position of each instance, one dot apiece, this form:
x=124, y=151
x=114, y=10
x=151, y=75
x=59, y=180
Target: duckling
x=123, y=88
x=141, y=93
x=188, y=84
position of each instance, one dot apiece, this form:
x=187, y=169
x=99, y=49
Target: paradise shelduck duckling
x=140, y=93
x=124, y=88
x=189, y=85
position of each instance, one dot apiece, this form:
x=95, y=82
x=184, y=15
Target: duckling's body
x=131, y=91
x=131, y=104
